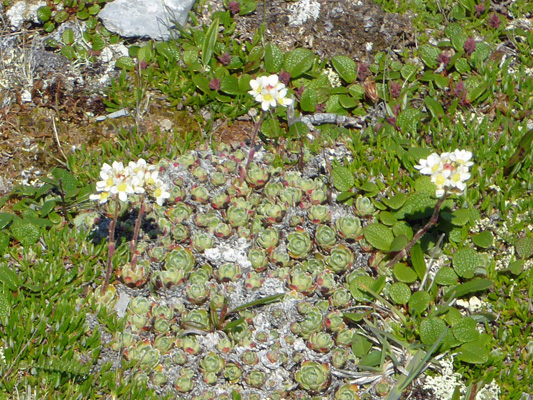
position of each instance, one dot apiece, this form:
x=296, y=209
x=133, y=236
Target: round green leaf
x=126, y=63
x=446, y=276
x=396, y=201
x=68, y=52
x=44, y=13
x=430, y=329
x=524, y=247
x=483, y=239
x=299, y=61
x=419, y=302
x=68, y=36
x=357, y=290
x=379, y=236
x=399, y=243
x=273, y=59
x=343, y=179
x=308, y=101
x=61, y=16
x=429, y=55
x=404, y=273
x=26, y=233
x=453, y=316
x=345, y=67
x=49, y=26
x=474, y=352
x=5, y=218
x=465, y=262
x=400, y=293
x=387, y=218
x=465, y=330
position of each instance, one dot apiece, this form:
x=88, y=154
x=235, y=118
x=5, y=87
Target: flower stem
x=136, y=230
x=252, y=147
x=111, y=247
x=418, y=235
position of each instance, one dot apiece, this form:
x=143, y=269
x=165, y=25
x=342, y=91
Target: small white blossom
x=160, y=192
x=269, y=91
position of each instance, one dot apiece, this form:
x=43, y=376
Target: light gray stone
x=151, y=18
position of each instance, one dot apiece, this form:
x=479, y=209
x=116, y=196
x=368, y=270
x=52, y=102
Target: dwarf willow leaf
x=404, y=274
x=379, y=236
x=459, y=217
x=9, y=277
x=24, y=232
x=465, y=330
x=524, y=247
x=403, y=228
x=430, y=329
x=360, y=345
x=44, y=13
x=343, y=179
x=429, y=55
x=126, y=63
x=465, y=261
x=455, y=34
x=399, y=243
x=483, y=239
x=68, y=181
x=387, y=218
x=299, y=61
x=516, y=267
x=273, y=58
x=400, y=293
x=475, y=352
x=446, y=276
x=418, y=205
x=419, y=302
x=230, y=85
x=357, y=288
x=5, y=218
x=308, y=101
x=345, y=67
x=4, y=306
x=396, y=201
x=408, y=120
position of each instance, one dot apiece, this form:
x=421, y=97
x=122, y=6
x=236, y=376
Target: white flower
x=101, y=197
x=458, y=178
x=160, y=192
x=462, y=158
x=122, y=188
x=282, y=98
x=269, y=91
x=430, y=165
x=107, y=174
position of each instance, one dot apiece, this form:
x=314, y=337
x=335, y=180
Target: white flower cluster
x=269, y=91
x=137, y=178
x=449, y=171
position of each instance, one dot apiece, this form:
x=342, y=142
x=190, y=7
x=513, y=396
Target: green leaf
x=521, y=151
x=298, y=130
x=44, y=13
x=430, y=329
x=477, y=91
x=434, y=107
x=400, y=293
x=402, y=228
x=4, y=306
x=481, y=53
x=429, y=55
x=418, y=261
x=396, y=201
x=475, y=285
x=9, y=277
x=360, y=345
x=273, y=59
x=465, y=261
x=524, y=247
x=516, y=267
x=47, y=208
x=459, y=217
x=208, y=44
x=343, y=179
x=462, y=66
x=475, y=352
x=357, y=290
x=49, y=26
x=345, y=67
x=408, y=120
x=308, y=101
x=347, y=101
x=5, y=218
x=404, y=274
x=68, y=36
x=145, y=53
x=446, y=276
x=379, y=236
x=4, y=242
x=483, y=239
x=355, y=317
x=26, y=233
x=399, y=243
x=126, y=63
x=419, y=302
x=408, y=71
x=455, y=33
x=387, y=218
x=418, y=205
x=230, y=85
x=298, y=62
x=94, y=9
x=465, y=330
x=68, y=52
x=68, y=181
x=372, y=359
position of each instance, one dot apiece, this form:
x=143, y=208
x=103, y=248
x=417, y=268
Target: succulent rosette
x=256, y=378
x=203, y=241
x=334, y=321
x=313, y=322
x=257, y=176
x=200, y=174
x=349, y=227
x=271, y=213
x=198, y=319
x=279, y=256
x=340, y=258
x=272, y=190
x=268, y=239
x=290, y=196
x=301, y=281
x=339, y=357
x=180, y=259
x=318, y=196
x=313, y=376
x=299, y=244
x=228, y=272
x=222, y=230
x=200, y=194
x=364, y=206
x=135, y=276
x=258, y=258
x=320, y=342
x=319, y=214
x=347, y=392
x=325, y=237
x=179, y=233
x=233, y=372
x=237, y=215
x=218, y=178
x=213, y=363
x=326, y=282
x=179, y=213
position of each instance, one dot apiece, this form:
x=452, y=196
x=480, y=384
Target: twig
x=330, y=118
x=57, y=138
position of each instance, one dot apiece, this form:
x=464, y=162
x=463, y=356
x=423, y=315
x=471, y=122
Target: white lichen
x=444, y=385
x=302, y=11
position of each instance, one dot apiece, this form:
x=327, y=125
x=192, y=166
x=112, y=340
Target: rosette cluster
x=121, y=181
x=270, y=92
x=448, y=171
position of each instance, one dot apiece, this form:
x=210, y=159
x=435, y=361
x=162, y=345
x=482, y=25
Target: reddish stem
x=252, y=147
x=111, y=247
x=136, y=234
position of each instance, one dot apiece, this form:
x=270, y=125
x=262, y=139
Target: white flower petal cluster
x=136, y=178
x=448, y=171
x=269, y=91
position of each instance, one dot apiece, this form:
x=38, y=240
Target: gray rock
x=152, y=18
